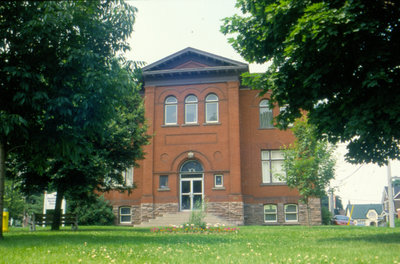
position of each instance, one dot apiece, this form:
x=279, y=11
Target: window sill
x=175, y=125
x=167, y=189
x=218, y=188
x=212, y=124
x=194, y=124
x=267, y=128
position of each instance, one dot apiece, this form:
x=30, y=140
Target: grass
x=253, y=244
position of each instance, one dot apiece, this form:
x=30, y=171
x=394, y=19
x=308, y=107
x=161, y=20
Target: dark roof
x=192, y=66
x=360, y=210
x=396, y=192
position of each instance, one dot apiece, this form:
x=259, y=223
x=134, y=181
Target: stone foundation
x=254, y=214
x=229, y=211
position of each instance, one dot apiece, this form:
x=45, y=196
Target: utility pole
x=390, y=195
x=331, y=201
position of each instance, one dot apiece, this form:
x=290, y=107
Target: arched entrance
x=191, y=185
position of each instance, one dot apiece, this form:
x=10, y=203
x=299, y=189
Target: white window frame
x=268, y=175
x=212, y=102
x=264, y=109
x=170, y=106
x=271, y=213
x=190, y=104
x=215, y=181
x=121, y=215
x=291, y=213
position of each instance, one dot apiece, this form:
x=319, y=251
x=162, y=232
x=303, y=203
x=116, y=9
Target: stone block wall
x=230, y=211
x=254, y=214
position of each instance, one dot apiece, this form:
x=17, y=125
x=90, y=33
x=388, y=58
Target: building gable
x=190, y=66
x=361, y=211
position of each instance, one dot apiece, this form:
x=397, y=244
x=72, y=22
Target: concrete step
x=181, y=218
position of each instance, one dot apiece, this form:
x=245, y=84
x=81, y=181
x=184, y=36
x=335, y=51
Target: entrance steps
x=181, y=218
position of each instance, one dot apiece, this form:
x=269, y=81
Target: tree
x=337, y=60
x=66, y=92
x=308, y=163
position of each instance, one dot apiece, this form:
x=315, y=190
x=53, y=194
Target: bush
x=326, y=216
x=93, y=211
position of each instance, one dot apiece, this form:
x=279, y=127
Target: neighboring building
x=212, y=140
x=396, y=200
x=366, y=214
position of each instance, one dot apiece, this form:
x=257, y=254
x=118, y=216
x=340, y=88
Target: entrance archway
x=191, y=185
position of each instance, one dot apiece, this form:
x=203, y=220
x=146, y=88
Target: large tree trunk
x=57, y=210
x=2, y=182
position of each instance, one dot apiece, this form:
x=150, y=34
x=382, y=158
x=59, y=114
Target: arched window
x=170, y=110
x=291, y=213
x=192, y=166
x=191, y=109
x=266, y=117
x=211, y=108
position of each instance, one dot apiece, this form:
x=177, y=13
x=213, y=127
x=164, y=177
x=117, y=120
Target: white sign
x=49, y=202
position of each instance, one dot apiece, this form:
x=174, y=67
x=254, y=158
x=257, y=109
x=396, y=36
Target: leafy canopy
x=308, y=163
x=338, y=60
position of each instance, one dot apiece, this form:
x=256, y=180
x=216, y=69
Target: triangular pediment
x=191, y=58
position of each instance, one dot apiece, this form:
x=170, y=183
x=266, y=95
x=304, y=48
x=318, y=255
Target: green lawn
x=251, y=245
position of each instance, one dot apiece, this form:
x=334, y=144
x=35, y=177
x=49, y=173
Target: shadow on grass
x=106, y=237
x=387, y=238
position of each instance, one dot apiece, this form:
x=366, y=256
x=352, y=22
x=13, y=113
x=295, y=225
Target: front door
x=191, y=193
x=191, y=185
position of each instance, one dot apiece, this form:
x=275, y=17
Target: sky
x=164, y=27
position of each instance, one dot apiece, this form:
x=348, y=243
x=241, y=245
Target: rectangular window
x=125, y=215
x=191, y=113
x=127, y=175
x=212, y=112
x=270, y=213
x=170, y=114
x=163, y=182
x=291, y=212
x=218, y=181
x=272, y=166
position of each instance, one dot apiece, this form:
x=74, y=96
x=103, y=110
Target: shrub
x=93, y=211
x=326, y=216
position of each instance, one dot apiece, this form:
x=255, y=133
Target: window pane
x=277, y=170
x=290, y=208
x=266, y=173
x=276, y=154
x=265, y=155
x=192, y=166
x=170, y=114
x=270, y=208
x=264, y=103
x=185, y=186
x=185, y=202
x=211, y=97
x=125, y=218
x=291, y=217
x=125, y=210
x=270, y=217
x=171, y=100
x=211, y=112
x=197, y=186
x=197, y=201
x=191, y=113
x=266, y=118
x=191, y=99
x=218, y=180
x=163, y=181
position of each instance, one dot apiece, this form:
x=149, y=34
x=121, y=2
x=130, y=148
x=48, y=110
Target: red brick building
x=212, y=139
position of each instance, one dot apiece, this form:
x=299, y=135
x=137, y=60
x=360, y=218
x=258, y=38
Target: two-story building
x=213, y=140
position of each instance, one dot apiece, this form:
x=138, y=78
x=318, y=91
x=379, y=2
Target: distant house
x=366, y=214
x=396, y=200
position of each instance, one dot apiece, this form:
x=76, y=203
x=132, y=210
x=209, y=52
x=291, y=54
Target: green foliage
x=337, y=60
x=93, y=211
x=308, y=163
x=197, y=216
x=71, y=109
x=326, y=216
